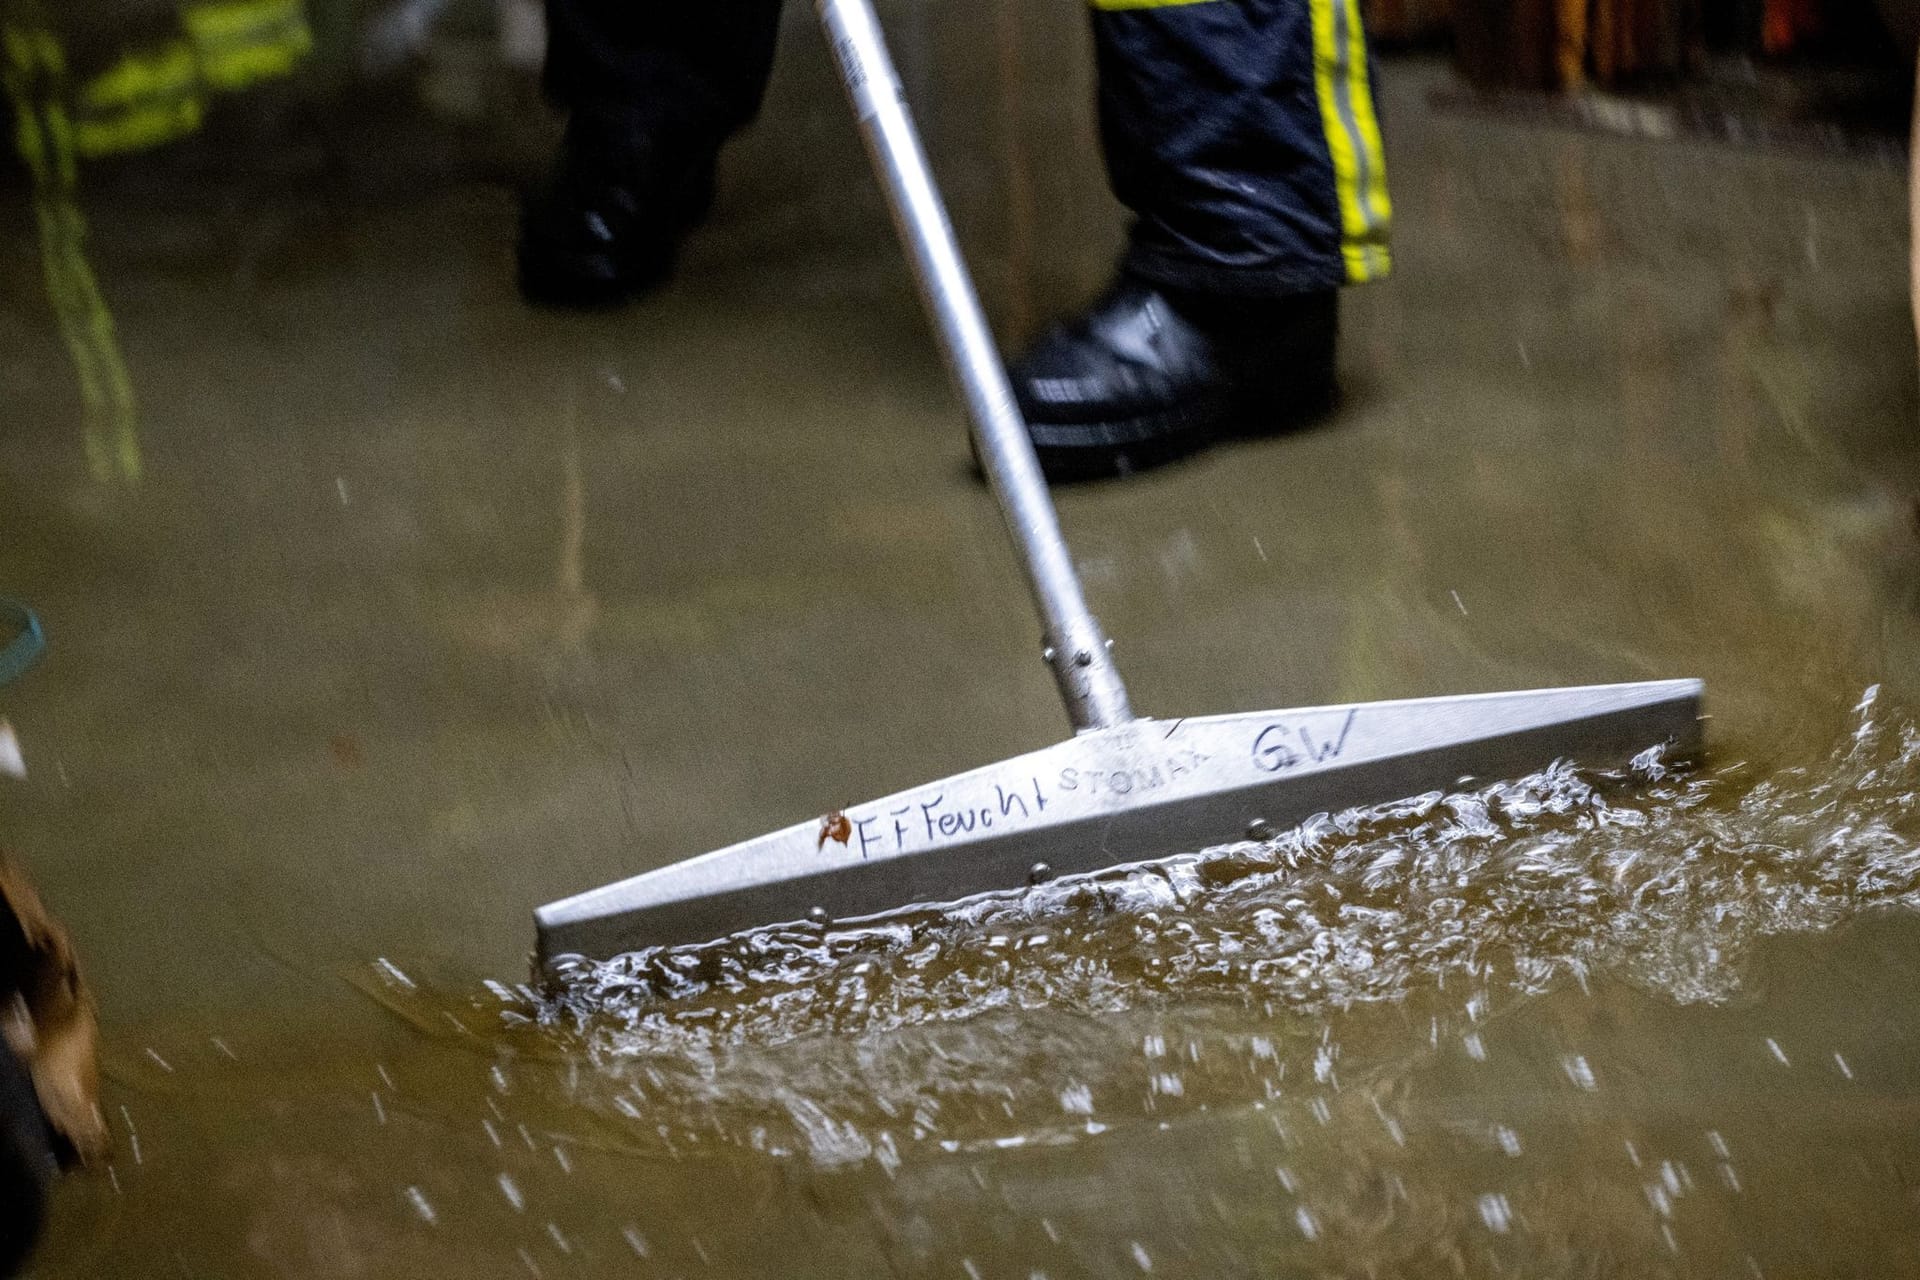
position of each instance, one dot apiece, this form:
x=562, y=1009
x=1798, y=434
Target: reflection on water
x=34, y=73
x=1649, y=1024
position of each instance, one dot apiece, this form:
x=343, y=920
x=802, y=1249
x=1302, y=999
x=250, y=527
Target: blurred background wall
x=1538, y=44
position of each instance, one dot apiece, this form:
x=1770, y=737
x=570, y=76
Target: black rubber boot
x=607, y=227
x=1144, y=377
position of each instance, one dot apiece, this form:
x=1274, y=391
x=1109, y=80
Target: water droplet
x=418, y=1199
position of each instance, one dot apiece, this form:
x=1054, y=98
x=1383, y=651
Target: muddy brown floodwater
x=381, y=609
x=1652, y=1023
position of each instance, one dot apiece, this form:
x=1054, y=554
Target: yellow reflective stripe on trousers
x=1353, y=137
x=34, y=67
x=148, y=98
x=138, y=129
x=242, y=42
x=110, y=422
x=142, y=76
x=32, y=51
x=1371, y=144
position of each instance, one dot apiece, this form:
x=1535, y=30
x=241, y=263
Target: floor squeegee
x=1124, y=788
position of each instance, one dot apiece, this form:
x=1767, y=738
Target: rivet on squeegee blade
x=1123, y=790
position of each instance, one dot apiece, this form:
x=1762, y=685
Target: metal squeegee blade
x=1139, y=791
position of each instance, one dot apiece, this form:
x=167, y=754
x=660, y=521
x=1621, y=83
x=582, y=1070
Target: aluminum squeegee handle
x=1076, y=648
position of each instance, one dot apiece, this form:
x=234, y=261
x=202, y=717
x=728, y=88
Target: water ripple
x=1216, y=978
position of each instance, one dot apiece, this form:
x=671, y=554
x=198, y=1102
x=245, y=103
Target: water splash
x=1221, y=978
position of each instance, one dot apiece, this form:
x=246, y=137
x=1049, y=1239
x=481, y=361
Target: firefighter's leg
x=652, y=89
x=1242, y=135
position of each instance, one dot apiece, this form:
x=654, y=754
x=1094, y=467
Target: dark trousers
x=1241, y=133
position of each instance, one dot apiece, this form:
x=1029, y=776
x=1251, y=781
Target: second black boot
x=1145, y=376
x=610, y=222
